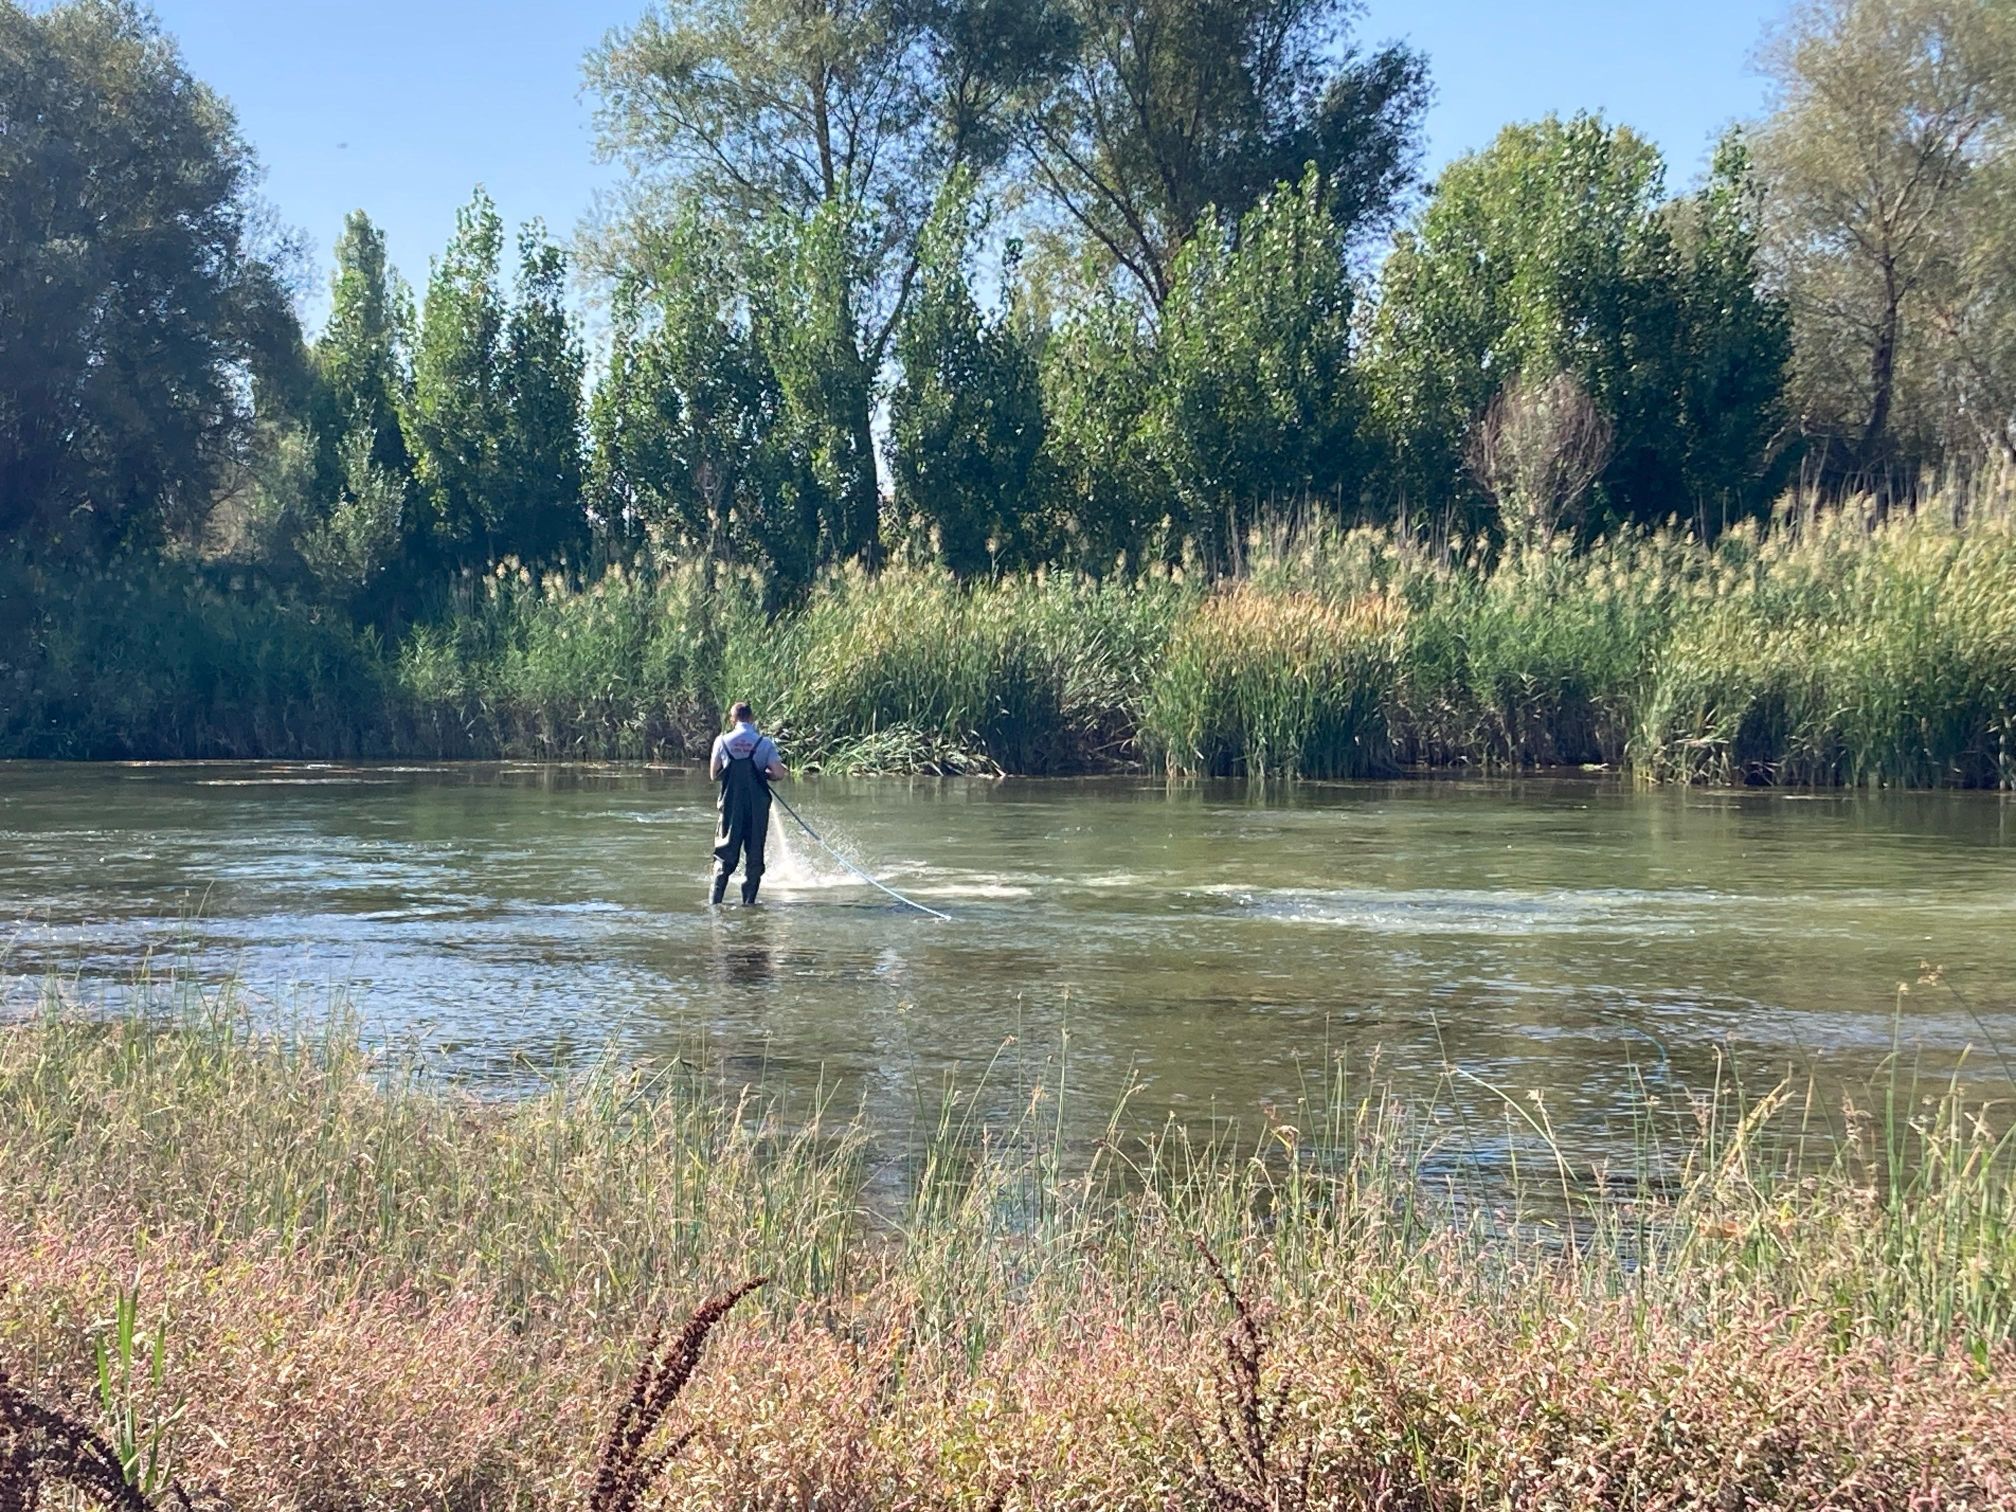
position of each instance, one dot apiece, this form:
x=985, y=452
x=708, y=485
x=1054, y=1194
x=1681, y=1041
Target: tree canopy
x=139, y=301
x=1887, y=166
x=826, y=343
x=1170, y=109
x=1553, y=252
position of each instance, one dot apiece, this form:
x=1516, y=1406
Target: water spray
x=820, y=841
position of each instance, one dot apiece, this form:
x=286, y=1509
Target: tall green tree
x=805, y=323
x=1172, y=108
x=966, y=418
x=1104, y=484
x=834, y=124
x=683, y=423
x=540, y=517
x=362, y=357
x=1735, y=349
x=136, y=304
x=1546, y=253
x=1886, y=161
x=456, y=415
x=1255, y=406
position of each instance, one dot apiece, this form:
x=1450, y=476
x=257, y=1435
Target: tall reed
x=1278, y=685
x=628, y=665
x=1826, y=649
x=1829, y=652
x=912, y=671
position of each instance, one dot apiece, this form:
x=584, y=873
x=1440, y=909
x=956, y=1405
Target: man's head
x=741, y=714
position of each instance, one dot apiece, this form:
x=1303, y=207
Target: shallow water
x=1213, y=948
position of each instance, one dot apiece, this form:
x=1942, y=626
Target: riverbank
x=350, y=1283
x=1824, y=651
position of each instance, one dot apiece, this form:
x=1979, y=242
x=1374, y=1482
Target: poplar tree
x=456, y=416
x=966, y=418
x=1545, y=253
x=360, y=359
x=540, y=518
x=1254, y=408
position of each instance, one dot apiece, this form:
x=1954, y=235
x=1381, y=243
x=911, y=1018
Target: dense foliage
x=989, y=286
x=1818, y=651
x=136, y=309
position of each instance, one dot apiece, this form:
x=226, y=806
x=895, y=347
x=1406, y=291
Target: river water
x=1212, y=948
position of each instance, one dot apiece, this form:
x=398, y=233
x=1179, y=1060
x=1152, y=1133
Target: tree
x=1255, y=404
x=805, y=321
x=138, y=305
x=1537, y=450
x=456, y=415
x=352, y=546
x=1883, y=162
x=1973, y=303
x=1735, y=349
x=540, y=514
x=682, y=422
x=361, y=357
x=1544, y=253
x=1173, y=107
x=966, y=419
x=1104, y=485
x=826, y=130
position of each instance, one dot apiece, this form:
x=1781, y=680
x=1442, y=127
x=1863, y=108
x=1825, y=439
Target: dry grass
x=374, y=1290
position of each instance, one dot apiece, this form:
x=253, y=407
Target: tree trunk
x=864, y=524
x=1882, y=380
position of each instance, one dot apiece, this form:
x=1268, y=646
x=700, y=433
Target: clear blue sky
x=400, y=107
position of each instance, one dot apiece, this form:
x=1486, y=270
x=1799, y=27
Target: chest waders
x=745, y=825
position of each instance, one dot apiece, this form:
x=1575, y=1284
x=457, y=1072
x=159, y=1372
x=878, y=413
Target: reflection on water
x=1213, y=947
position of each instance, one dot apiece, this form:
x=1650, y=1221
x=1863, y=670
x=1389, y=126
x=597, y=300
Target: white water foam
x=1485, y=912
x=793, y=864
x=978, y=888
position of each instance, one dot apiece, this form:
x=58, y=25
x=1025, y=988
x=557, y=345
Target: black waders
x=745, y=825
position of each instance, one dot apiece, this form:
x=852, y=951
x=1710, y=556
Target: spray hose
x=820, y=840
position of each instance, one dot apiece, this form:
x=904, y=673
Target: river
x=1210, y=947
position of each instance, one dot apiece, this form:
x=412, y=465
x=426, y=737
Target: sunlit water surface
x=1211, y=949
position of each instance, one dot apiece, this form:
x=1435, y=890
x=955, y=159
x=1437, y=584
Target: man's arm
x=715, y=762
x=775, y=770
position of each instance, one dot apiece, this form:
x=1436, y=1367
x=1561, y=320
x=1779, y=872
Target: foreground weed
x=42, y=1448
x=626, y=1472
x=1247, y=1468
x=143, y=1451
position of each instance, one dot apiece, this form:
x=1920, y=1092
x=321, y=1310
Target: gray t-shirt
x=746, y=740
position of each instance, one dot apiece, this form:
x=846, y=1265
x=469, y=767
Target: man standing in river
x=745, y=763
